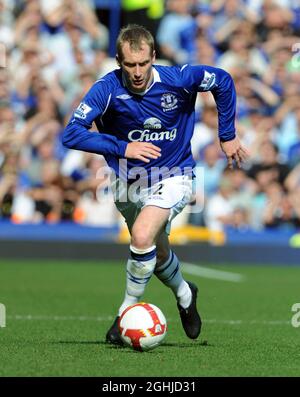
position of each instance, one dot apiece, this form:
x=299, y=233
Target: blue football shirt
x=163, y=115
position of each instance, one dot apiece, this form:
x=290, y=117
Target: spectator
x=218, y=212
x=268, y=169
x=95, y=206
x=169, y=32
x=205, y=130
x=209, y=170
x=279, y=211
x=55, y=50
x=211, y=166
x=147, y=12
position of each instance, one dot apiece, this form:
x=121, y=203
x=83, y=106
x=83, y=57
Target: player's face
x=137, y=67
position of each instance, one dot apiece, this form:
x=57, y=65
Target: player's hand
x=234, y=151
x=142, y=151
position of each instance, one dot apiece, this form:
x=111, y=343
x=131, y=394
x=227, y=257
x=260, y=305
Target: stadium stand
x=54, y=51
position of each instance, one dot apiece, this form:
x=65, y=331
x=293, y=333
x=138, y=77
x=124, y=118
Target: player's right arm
x=142, y=151
x=77, y=134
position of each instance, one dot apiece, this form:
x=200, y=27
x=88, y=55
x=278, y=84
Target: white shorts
x=172, y=193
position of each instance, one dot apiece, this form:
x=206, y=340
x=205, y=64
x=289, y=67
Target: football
x=142, y=326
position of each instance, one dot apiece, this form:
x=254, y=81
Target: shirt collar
x=156, y=79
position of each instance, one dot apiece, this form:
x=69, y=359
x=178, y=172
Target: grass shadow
x=188, y=344
x=86, y=342
x=79, y=342
x=182, y=345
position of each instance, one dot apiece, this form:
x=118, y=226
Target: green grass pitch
x=58, y=313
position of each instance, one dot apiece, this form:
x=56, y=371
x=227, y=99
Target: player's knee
x=141, y=239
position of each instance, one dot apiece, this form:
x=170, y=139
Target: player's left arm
x=234, y=150
x=203, y=78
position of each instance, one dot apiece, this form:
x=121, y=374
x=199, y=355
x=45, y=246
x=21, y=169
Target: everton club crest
x=168, y=102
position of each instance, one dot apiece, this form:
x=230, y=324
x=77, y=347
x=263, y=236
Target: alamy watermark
x=2, y=316
x=2, y=55
x=296, y=317
x=139, y=183
x=296, y=56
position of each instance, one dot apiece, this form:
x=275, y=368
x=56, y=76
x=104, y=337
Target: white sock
x=169, y=273
x=139, y=271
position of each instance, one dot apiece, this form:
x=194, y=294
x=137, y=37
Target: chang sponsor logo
x=151, y=132
x=152, y=124
x=149, y=136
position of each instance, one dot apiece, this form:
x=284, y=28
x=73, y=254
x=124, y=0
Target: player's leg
x=168, y=271
x=140, y=266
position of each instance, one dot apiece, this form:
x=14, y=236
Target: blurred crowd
x=56, y=49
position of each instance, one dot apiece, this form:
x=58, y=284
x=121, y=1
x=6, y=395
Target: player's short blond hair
x=135, y=35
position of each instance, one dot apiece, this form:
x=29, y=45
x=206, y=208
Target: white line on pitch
x=248, y=322
x=207, y=272
x=59, y=318
x=30, y=317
